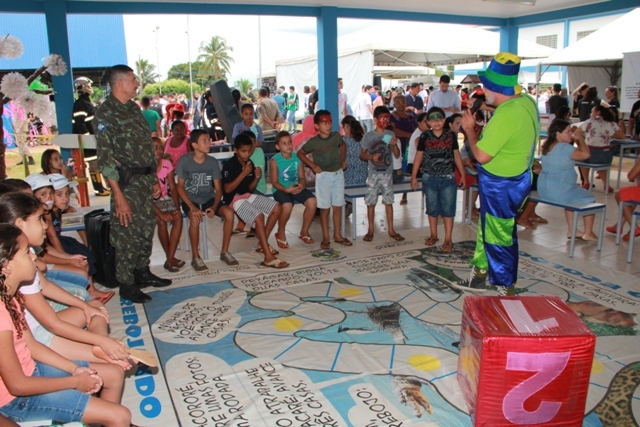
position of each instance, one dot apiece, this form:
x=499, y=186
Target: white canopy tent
x=597, y=58
x=399, y=45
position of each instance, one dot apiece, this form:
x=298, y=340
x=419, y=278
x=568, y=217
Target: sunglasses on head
x=436, y=117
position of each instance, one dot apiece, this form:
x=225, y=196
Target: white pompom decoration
x=10, y=47
x=28, y=101
x=14, y=85
x=41, y=106
x=55, y=65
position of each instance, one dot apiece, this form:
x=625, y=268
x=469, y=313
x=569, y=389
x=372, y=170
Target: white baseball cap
x=37, y=180
x=59, y=181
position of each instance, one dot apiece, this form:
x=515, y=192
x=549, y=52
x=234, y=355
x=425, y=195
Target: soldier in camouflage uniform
x=123, y=142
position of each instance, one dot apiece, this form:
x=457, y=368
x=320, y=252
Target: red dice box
x=524, y=361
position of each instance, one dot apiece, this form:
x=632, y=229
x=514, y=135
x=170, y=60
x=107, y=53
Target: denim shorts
x=440, y=194
x=302, y=197
x=63, y=406
x=74, y=283
x=600, y=157
x=330, y=189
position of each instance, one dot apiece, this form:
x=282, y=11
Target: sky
x=178, y=37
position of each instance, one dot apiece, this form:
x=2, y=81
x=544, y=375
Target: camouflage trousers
x=134, y=243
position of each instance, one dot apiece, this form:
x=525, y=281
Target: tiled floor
x=410, y=221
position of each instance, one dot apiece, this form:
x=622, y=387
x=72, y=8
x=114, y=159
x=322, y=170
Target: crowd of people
x=157, y=168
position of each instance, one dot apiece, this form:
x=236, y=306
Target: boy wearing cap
x=504, y=152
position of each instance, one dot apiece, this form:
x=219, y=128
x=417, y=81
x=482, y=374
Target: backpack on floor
x=96, y=224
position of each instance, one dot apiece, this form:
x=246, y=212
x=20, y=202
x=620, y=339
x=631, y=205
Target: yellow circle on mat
x=287, y=324
x=424, y=362
x=597, y=367
x=349, y=292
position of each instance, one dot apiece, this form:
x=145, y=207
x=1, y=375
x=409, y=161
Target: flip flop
x=431, y=241
x=612, y=228
x=446, y=247
x=344, y=242
x=106, y=297
x=397, y=237
x=273, y=251
x=307, y=239
x=538, y=219
x=276, y=263
x=368, y=237
x=142, y=356
x=282, y=244
x=170, y=268
x=626, y=237
x=325, y=245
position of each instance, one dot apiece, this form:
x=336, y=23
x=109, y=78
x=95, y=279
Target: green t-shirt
x=326, y=152
x=509, y=136
x=151, y=117
x=292, y=103
x=258, y=160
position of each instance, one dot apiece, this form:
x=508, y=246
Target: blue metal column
x=55, y=12
x=327, y=28
x=509, y=38
x=565, y=43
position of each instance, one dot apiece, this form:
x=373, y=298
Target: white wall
x=530, y=33
x=588, y=25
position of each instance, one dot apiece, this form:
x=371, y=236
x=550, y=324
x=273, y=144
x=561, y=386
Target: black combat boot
x=144, y=277
x=133, y=293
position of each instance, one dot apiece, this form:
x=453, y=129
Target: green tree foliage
x=215, y=57
x=145, y=72
x=169, y=86
x=243, y=85
x=181, y=71
x=97, y=94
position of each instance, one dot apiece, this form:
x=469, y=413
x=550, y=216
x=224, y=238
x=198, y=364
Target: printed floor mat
x=357, y=340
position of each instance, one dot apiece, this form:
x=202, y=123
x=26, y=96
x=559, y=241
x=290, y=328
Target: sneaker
x=198, y=264
x=476, y=281
x=228, y=258
x=506, y=291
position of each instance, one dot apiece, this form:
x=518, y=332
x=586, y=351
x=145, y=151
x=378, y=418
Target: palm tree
x=215, y=57
x=243, y=85
x=146, y=73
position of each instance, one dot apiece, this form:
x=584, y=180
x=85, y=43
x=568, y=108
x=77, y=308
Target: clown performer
x=504, y=152
x=83, y=112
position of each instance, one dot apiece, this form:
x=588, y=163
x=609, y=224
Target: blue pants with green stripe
x=497, y=242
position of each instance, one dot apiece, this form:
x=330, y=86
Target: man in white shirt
x=342, y=100
x=365, y=108
x=444, y=98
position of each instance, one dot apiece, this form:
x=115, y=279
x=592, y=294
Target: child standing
x=287, y=178
x=200, y=189
x=166, y=209
x=439, y=155
x=240, y=178
x=329, y=155
x=247, y=123
x=379, y=148
x=50, y=386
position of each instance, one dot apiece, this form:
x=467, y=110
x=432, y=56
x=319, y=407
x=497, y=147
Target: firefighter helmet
x=82, y=84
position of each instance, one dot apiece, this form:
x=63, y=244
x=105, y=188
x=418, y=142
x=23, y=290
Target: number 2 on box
x=548, y=366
